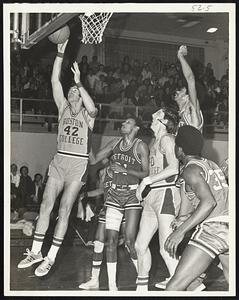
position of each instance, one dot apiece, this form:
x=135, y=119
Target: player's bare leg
x=113, y=221
x=132, y=217
x=188, y=268
x=93, y=283
x=52, y=190
x=68, y=198
x=147, y=229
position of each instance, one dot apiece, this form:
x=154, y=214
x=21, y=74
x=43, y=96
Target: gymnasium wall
x=36, y=150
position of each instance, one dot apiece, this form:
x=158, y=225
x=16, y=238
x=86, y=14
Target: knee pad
x=113, y=219
x=98, y=246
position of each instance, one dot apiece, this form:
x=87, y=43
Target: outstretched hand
x=76, y=71
x=61, y=47
x=172, y=242
x=182, y=51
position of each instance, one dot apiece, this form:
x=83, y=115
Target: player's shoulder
x=167, y=139
x=142, y=146
x=192, y=171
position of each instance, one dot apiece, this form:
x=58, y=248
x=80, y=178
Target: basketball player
x=68, y=168
x=189, y=108
x=106, y=176
x=162, y=202
x=205, y=182
x=129, y=157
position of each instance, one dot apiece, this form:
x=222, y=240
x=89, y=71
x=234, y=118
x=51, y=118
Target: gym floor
x=73, y=266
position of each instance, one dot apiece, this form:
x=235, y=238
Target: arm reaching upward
x=88, y=102
x=189, y=76
x=57, y=90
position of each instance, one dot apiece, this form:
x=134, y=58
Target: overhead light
x=212, y=30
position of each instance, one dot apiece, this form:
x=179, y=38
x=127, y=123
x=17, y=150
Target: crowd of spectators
x=26, y=194
x=149, y=83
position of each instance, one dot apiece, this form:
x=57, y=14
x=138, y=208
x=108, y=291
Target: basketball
x=60, y=36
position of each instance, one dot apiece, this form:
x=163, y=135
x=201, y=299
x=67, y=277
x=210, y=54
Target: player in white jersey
x=189, y=108
x=203, y=183
x=67, y=170
x=162, y=202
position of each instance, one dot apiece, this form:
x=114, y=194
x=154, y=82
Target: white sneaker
x=196, y=285
x=92, y=284
x=113, y=287
x=44, y=267
x=30, y=260
x=162, y=285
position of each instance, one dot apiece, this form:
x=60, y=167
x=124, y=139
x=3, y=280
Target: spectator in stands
x=37, y=193
x=146, y=73
x=130, y=92
x=101, y=71
x=170, y=84
x=154, y=66
x=15, y=180
x=116, y=88
x=125, y=75
x=100, y=91
x=163, y=78
x=84, y=68
x=116, y=73
x=25, y=189
x=136, y=69
x=91, y=81
x=94, y=64
x=209, y=73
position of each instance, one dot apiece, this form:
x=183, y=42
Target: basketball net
x=93, y=26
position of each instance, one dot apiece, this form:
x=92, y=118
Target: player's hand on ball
x=182, y=51
x=76, y=71
x=61, y=47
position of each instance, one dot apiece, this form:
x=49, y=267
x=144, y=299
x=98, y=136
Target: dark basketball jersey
x=129, y=159
x=107, y=180
x=216, y=180
x=74, y=133
x=158, y=162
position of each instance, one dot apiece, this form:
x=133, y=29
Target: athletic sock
x=56, y=243
x=142, y=283
x=111, y=270
x=97, y=260
x=37, y=242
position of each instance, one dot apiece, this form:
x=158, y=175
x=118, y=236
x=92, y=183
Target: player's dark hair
x=171, y=114
x=190, y=140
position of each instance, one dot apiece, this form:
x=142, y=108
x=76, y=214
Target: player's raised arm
x=87, y=100
x=57, y=89
x=189, y=76
x=105, y=152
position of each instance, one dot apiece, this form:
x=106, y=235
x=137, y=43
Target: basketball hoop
x=93, y=26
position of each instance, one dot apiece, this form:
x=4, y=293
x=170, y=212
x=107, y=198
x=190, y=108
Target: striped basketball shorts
x=122, y=199
x=68, y=168
x=162, y=201
x=102, y=215
x=211, y=237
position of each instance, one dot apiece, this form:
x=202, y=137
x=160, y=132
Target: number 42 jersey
x=74, y=133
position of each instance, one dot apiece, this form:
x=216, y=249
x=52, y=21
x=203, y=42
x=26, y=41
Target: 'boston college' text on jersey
x=74, y=133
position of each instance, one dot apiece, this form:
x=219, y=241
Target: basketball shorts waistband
x=69, y=154
x=161, y=186
x=124, y=187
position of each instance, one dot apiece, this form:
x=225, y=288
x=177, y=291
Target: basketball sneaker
x=196, y=285
x=31, y=259
x=92, y=284
x=44, y=267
